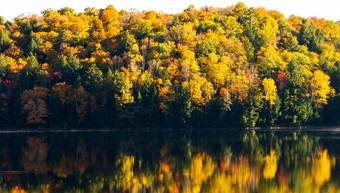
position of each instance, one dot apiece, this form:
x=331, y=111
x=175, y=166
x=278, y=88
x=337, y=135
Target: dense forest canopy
x=206, y=67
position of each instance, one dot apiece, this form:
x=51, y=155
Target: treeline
x=207, y=67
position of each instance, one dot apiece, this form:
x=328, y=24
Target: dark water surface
x=171, y=161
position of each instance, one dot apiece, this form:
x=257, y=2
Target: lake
x=171, y=161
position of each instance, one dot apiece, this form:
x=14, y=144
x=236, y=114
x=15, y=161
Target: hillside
x=206, y=67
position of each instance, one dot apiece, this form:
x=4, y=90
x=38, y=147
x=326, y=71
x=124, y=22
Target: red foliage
x=296, y=26
x=223, y=92
x=281, y=79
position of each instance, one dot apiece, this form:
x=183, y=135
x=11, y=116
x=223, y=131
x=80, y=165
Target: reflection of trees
x=300, y=147
x=34, y=156
x=82, y=157
x=270, y=165
x=220, y=183
x=261, y=162
x=124, y=175
x=66, y=166
x=252, y=146
x=322, y=168
x=202, y=167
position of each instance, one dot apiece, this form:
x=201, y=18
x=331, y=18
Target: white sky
x=328, y=9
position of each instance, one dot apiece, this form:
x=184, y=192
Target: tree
x=124, y=100
x=250, y=111
x=183, y=34
x=109, y=17
x=269, y=61
x=32, y=75
x=321, y=89
x=218, y=70
x=181, y=109
x=71, y=69
x=296, y=108
x=34, y=105
x=270, y=90
x=201, y=90
x=5, y=40
x=310, y=36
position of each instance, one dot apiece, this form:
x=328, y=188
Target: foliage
x=226, y=67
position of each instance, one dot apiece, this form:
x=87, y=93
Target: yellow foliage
x=232, y=26
x=270, y=57
x=269, y=30
x=269, y=90
x=164, y=97
x=314, y=58
x=321, y=89
x=218, y=71
x=100, y=56
x=201, y=89
x=20, y=65
x=188, y=62
x=183, y=34
x=240, y=86
x=125, y=96
x=46, y=48
x=109, y=17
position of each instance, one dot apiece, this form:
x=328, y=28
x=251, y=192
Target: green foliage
x=5, y=40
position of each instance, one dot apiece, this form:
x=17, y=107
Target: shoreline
x=74, y=130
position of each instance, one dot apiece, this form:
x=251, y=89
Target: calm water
x=170, y=161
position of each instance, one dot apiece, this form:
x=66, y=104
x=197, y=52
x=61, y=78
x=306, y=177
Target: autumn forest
x=205, y=67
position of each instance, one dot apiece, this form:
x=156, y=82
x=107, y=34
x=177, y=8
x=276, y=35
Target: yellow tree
x=321, y=90
x=125, y=93
x=183, y=34
x=232, y=27
x=268, y=31
x=218, y=70
x=34, y=105
x=269, y=60
x=188, y=62
x=164, y=97
x=270, y=90
x=109, y=18
x=201, y=89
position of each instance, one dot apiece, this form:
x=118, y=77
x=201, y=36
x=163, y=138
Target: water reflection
x=208, y=161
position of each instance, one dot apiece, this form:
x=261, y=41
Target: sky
x=328, y=9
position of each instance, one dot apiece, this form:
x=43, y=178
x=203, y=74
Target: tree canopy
x=207, y=67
